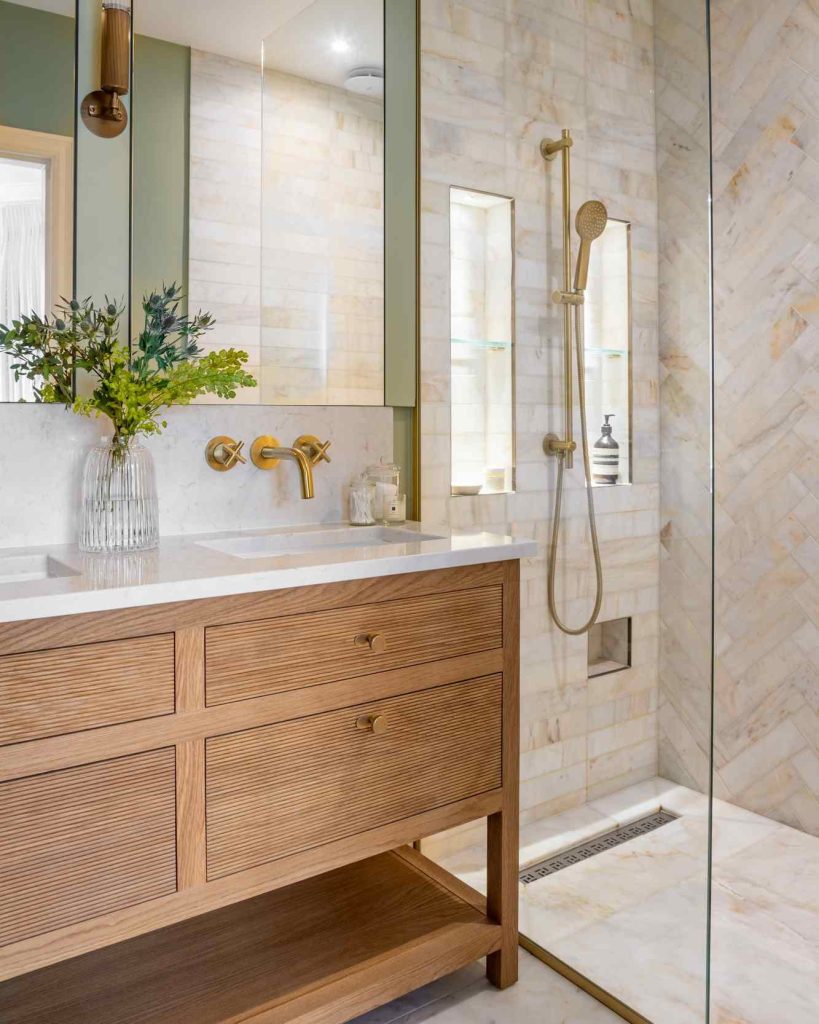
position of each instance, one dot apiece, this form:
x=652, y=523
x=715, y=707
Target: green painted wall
x=161, y=126
x=103, y=234
x=36, y=70
x=400, y=202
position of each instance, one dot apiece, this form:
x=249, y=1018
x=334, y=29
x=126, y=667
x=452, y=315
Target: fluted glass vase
x=120, y=510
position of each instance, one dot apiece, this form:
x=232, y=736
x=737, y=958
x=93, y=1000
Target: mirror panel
x=259, y=185
x=37, y=56
x=322, y=340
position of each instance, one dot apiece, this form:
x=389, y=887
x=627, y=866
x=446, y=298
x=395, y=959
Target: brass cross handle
x=315, y=450
x=223, y=453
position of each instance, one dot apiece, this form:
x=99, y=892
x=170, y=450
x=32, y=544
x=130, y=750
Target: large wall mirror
x=37, y=42
x=259, y=165
x=267, y=165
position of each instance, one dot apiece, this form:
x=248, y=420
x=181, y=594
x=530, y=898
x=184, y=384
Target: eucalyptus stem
x=165, y=367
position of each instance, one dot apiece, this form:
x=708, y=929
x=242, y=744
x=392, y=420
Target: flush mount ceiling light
x=102, y=112
x=340, y=46
x=366, y=81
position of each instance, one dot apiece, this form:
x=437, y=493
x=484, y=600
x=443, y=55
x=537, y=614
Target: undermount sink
x=305, y=542
x=27, y=568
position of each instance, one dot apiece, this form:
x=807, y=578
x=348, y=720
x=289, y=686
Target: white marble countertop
x=191, y=567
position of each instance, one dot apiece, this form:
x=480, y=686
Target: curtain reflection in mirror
x=22, y=257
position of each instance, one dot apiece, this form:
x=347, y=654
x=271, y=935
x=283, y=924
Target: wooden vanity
x=207, y=808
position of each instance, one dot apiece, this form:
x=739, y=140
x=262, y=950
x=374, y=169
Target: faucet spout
x=302, y=462
x=307, y=452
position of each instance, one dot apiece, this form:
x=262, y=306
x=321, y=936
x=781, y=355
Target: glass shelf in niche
x=482, y=343
x=593, y=349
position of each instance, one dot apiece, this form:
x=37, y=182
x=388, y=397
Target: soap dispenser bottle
x=606, y=456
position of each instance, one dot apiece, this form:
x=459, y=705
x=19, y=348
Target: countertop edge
x=47, y=606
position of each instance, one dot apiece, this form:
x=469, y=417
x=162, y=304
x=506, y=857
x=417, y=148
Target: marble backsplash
x=44, y=448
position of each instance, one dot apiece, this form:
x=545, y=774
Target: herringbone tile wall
x=766, y=224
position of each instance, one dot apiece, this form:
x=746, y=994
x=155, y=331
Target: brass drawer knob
x=371, y=723
x=376, y=642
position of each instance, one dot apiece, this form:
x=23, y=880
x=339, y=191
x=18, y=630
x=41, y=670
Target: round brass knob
x=376, y=642
x=371, y=723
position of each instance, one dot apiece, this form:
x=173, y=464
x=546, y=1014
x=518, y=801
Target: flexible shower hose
x=598, y=565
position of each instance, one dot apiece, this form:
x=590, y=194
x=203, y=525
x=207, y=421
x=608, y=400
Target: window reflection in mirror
x=482, y=333
x=36, y=165
x=259, y=184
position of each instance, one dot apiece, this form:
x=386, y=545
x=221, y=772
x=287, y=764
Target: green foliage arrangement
x=166, y=367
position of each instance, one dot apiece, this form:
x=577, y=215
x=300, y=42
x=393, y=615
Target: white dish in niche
x=467, y=489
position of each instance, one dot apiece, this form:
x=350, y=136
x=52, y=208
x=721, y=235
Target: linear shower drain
x=576, y=854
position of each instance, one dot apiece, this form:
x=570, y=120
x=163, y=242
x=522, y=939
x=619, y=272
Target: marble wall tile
x=766, y=226
x=497, y=77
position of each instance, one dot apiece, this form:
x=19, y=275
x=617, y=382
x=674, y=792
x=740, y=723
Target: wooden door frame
x=56, y=152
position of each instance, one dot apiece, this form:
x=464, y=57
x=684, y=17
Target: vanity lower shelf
x=322, y=950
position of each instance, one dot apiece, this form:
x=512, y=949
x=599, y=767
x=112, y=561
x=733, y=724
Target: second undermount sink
x=305, y=542
x=29, y=568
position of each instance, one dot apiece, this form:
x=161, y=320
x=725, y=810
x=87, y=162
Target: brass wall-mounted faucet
x=307, y=452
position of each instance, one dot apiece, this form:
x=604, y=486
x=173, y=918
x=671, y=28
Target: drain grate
x=599, y=844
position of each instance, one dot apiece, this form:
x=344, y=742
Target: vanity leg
x=502, y=896
x=502, y=846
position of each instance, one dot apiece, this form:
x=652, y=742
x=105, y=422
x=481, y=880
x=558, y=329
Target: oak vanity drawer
x=67, y=689
x=256, y=658
x=287, y=787
x=78, y=843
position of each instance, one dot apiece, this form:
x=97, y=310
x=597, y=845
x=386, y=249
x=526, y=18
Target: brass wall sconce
x=102, y=112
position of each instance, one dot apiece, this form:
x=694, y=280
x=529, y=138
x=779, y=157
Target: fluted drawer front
x=86, y=841
x=288, y=787
x=256, y=658
x=48, y=693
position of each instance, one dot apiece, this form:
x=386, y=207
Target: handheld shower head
x=590, y=222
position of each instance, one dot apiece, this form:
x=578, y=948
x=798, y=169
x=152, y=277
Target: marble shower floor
x=540, y=997
x=633, y=919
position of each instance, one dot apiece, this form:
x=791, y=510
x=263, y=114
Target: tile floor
x=540, y=997
x=634, y=918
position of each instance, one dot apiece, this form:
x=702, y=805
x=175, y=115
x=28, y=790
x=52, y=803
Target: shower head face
x=590, y=222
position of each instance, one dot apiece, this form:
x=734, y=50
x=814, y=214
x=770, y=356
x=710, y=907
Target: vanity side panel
x=68, y=689
x=84, y=842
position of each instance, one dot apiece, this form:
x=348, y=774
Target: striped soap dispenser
x=606, y=456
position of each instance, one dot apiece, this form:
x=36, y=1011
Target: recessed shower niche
x=482, y=340
x=609, y=647
x=608, y=356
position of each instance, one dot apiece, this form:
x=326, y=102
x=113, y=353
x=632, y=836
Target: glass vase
x=120, y=510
